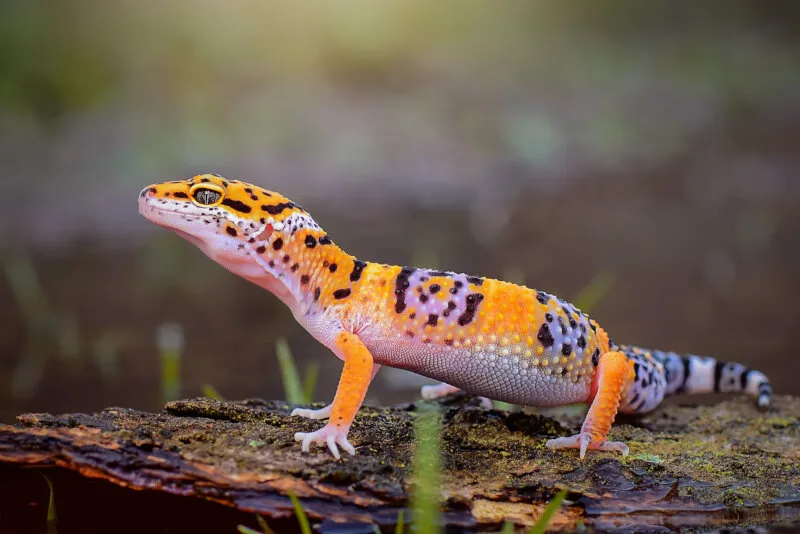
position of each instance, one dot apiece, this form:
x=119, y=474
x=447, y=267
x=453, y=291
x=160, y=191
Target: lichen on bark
x=722, y=464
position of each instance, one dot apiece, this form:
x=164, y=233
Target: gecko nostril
x=148, y=192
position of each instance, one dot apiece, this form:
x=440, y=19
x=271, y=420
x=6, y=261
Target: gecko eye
x=206, y=194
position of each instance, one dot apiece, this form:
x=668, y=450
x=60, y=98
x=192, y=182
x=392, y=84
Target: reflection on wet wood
x=725, y=464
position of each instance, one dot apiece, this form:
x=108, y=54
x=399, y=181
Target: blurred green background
x=653, y=147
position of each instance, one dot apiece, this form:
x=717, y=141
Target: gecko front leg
x=357, y=373
x=325, y=413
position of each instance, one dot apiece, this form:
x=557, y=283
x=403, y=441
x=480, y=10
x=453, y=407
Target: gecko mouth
x=162, y=217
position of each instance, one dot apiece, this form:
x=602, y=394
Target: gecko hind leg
x=436, y=391
x=614, y=374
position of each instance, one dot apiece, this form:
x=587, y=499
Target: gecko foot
x=329, y=435
x=322, y=413
x=435, y=391
x=583, y=441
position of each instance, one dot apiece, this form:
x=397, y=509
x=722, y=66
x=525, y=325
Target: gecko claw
x=583, y=442
x=329, y=435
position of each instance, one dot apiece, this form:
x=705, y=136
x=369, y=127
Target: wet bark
x=724, y=464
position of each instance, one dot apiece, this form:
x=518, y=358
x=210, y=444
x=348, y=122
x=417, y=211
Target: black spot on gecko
x=180, y=194
x=277, y=244
x=409, y=333
x=562, y=326
x=596, y=357
x=413, y=315
x=548, y=317
x=400, y=287
x=262, y=249
x=566, y=349
x=742, y=379
x=433, y=319
x=317, y=293
x=435, y=288
x=271, y=263
x=237, y=205
x=206, y=180
x=231, y=231
x=304, y=279
x=286, y=258
x=358, y=267
x=543, y=297
x=718, y=367
x=544, y=336
x=295, y=266
x=341, y=293
x=438, y=273
x=311, y=241
x=332, y=268
x=451, y=305
x=456, y=286
x=423, y=298
x=448, y=342
x=325, y=240
x=275, y=209
x=473, y=301
x=477, y=280
x=248, y=190
x=581, y=342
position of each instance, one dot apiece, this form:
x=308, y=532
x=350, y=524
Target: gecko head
x=229, y=220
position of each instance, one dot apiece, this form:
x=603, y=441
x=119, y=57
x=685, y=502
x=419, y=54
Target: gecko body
x=486, y=337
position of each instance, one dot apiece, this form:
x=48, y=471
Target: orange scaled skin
x=484, y=336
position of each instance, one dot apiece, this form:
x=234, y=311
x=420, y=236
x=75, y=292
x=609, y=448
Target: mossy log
x=724, y=464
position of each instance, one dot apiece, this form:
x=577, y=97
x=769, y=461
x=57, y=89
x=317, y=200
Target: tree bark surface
x=724, y=464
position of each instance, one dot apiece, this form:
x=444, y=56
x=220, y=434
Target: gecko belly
x=507, y=378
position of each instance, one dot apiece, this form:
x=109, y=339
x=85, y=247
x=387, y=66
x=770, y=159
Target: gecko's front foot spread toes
x=583, y=441
x=329, y=435
x=322, y=413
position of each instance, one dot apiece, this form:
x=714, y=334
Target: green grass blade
x=263, y=524
x=52, y=517
x=27, y=289
x=427, y=471
x=310, y=382
x=597, y=288
x=291, y=380
x=400, y=527
x=169, y=340
x=508, y=527
x=541, y=525
x=246, y=530
x=211, y=392
x=302, y=519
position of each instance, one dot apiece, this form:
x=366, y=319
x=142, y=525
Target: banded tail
x=688, y=374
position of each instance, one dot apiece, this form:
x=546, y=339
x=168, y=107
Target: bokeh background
x=646, y=154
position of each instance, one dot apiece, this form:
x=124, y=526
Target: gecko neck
x=298, y=268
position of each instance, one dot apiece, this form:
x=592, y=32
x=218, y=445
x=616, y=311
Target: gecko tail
x=702, y=374
x=690, y=374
